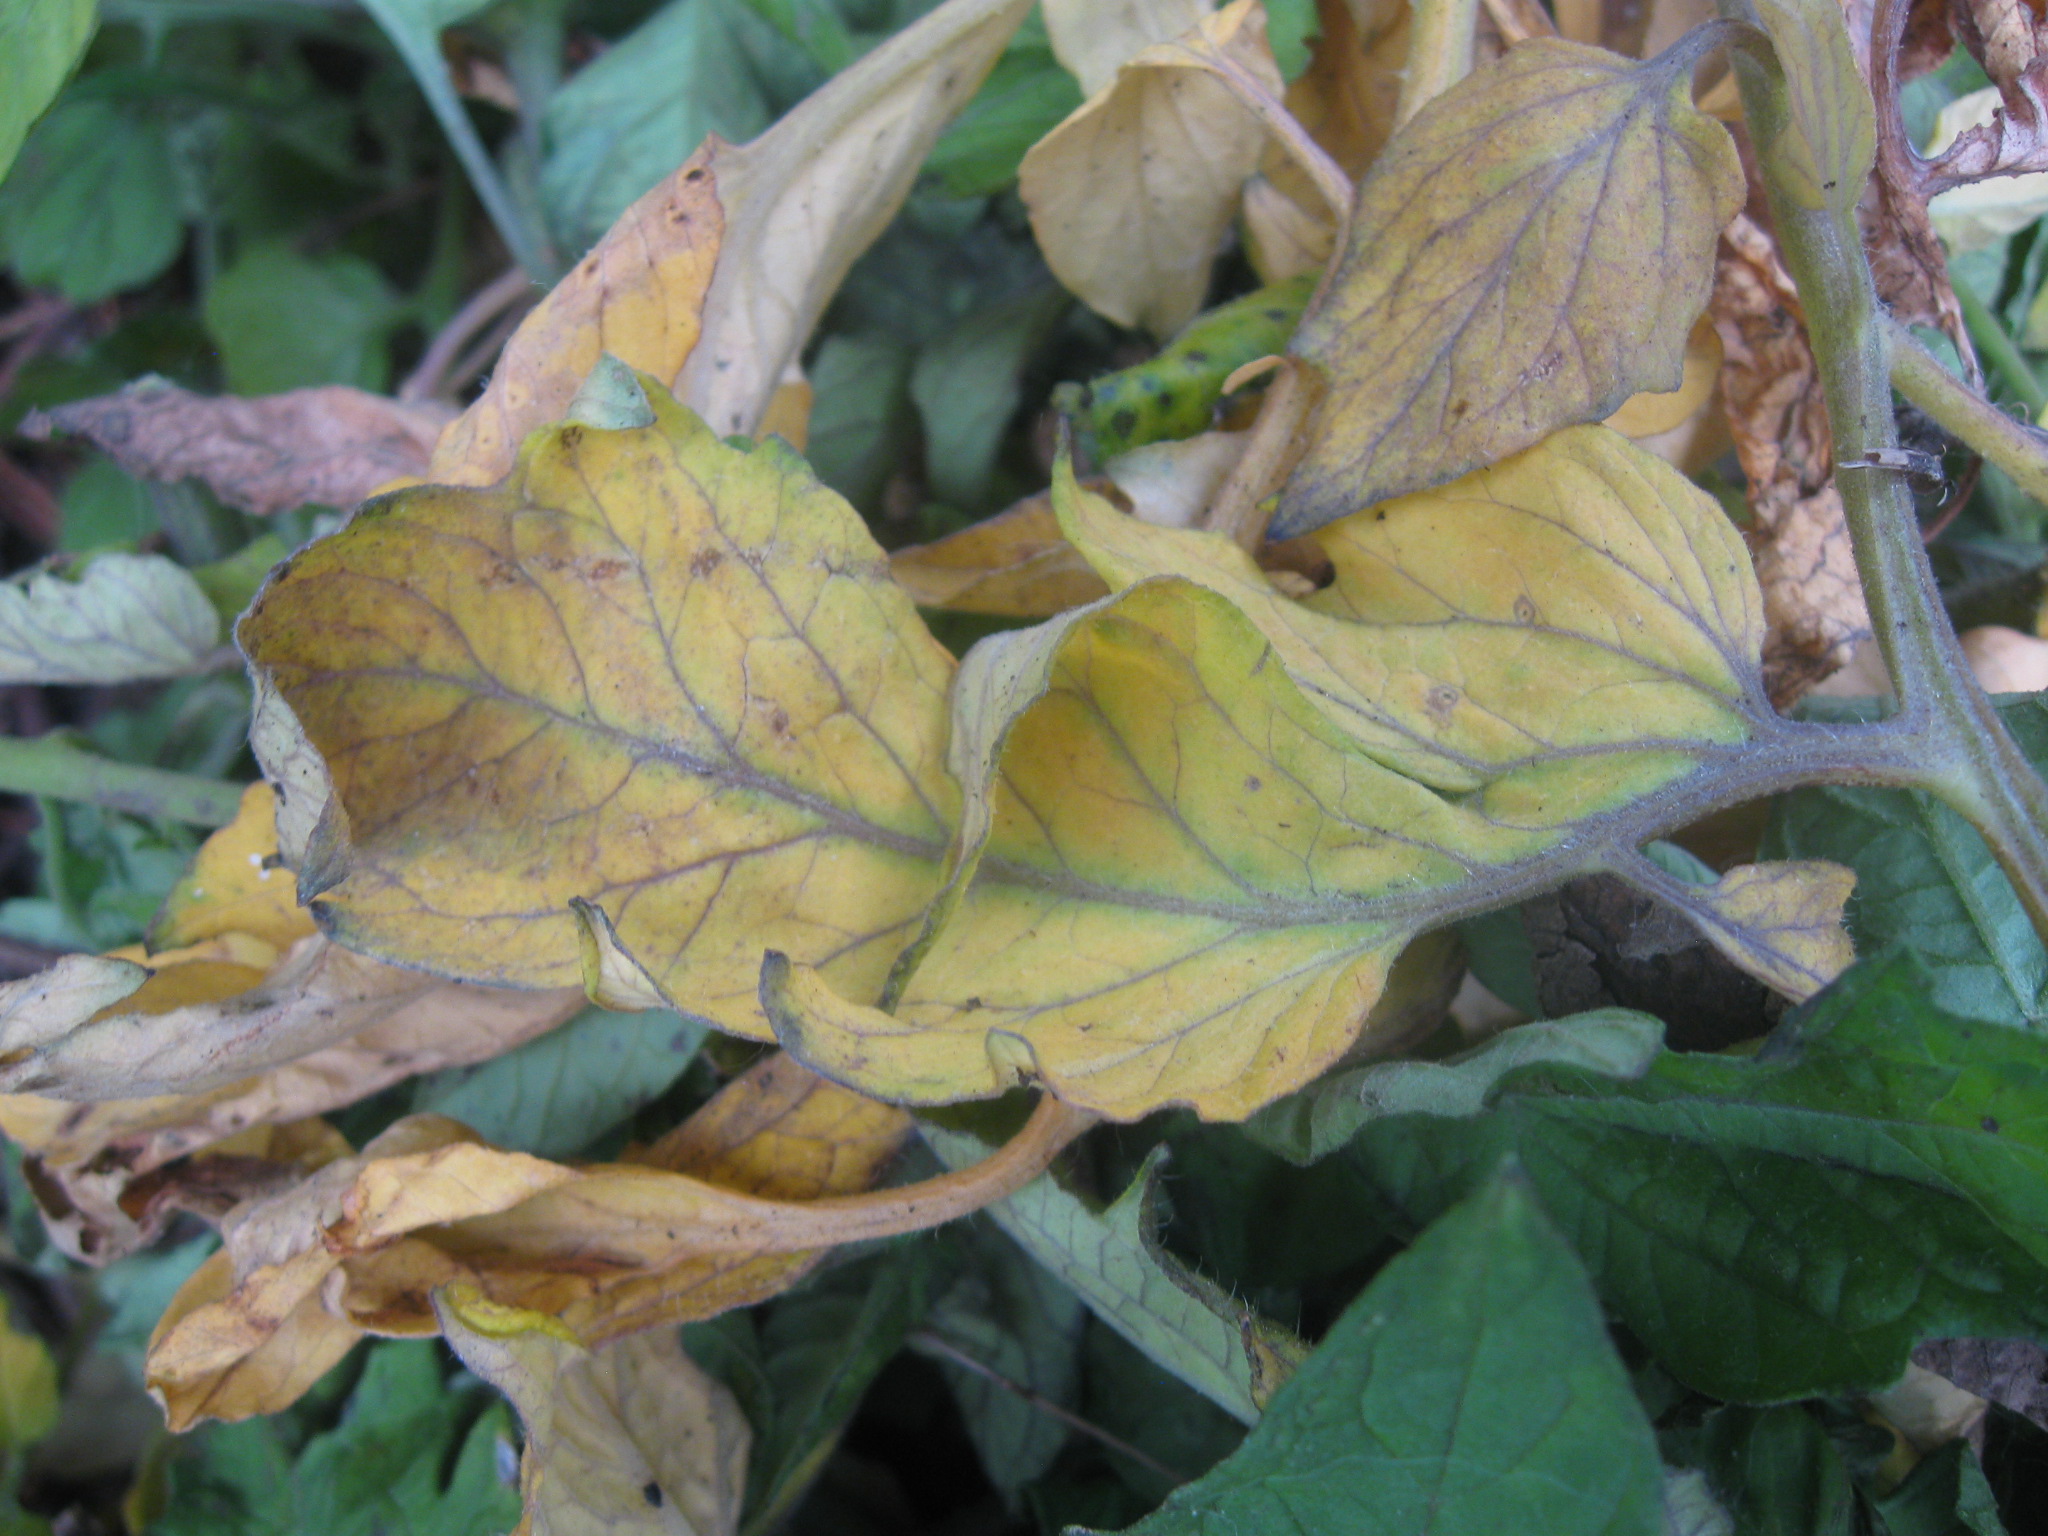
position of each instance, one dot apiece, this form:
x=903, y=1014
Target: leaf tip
x=612, y=398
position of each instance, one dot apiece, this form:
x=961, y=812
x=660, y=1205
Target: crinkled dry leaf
x=1132, y=195
x=813, y=192
x=1527, y=253
x=1093, y=37
x=125, y=618
x=637, y=296
x=692, y=655
x=632, y=1439
x=1813, y=598
x=210, y=1018
x=611, y=1249
x=333, y=445
x=1016, y=564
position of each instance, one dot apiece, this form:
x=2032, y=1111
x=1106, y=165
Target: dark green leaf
x=1471, y=1389
x=1788, y=1225
x=92, y=206
x=1778, y=1472
x=40, y=40
x=635, y=114
x=556, y=1095
x=285, y=321
x=1945, y=1495
x=1008, y=1314
x=1024, y=98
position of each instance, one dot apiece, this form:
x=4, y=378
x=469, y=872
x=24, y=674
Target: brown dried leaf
x=610, y=1249
x=638, y=295
x=1813, y=599
x=334, y=445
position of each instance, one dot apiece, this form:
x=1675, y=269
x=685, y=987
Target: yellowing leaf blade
x=692, y=655
x=1529, y=251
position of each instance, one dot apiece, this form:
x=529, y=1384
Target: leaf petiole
x=51, y=767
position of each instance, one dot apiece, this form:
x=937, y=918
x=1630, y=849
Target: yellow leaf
x=1016, y=564
x=1528, y=252
x=638, y=295
x=629, y=1440
x=807, y=197
x=28, y=1386
x=1191, y=892
x=691, y=658
x=235, y=885
x=1132, y=195
x=1647, y=415
x=1781, y=921
x=1483, y=636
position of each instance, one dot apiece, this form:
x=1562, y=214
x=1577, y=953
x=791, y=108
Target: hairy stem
x=51, y=767
x=1969, y=759
x=2018, y=449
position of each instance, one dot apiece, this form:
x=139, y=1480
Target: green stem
x=1968, y=758
x=51, y=767
x=2000, y=350
x=2018, y=449
x=1439, y=53
x=420, y=49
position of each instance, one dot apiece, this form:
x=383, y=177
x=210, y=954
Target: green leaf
x=633, y=114
x=285, y=321
x=1110, y=1258
x=1779, y=1472
x=1324, y=1116
x=1015, y=1318
x=556, y=1095
x=967, y=388
x=1789, y=1225
x=862, y=420
x=802, y=1376
x=1470, y=1390
x=1025, y=97
x=1925, y=879
x=28, y=1385
x=126, y=617
x=1945, y=1495
x=40, y=40
x=92, y=206
x=105, y=506
x=412, y=1456
x=1528, y=252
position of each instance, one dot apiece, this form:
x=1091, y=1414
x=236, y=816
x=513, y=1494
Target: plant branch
x=51, y=767
x=482, y=307
x=1970, y=760
x=2016, y=447
x=1439, y=53
x=2000, y=350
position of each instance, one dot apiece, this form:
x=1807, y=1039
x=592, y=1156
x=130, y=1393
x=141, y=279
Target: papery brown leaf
x=1813, y=598
x=638, y=295
x=1529, y=251
x=632, y=1439
x=333, y=445
x=610, y=1249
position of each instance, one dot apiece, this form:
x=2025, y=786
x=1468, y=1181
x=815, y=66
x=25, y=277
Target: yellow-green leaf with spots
x=1527, y=253
x=656, y=673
